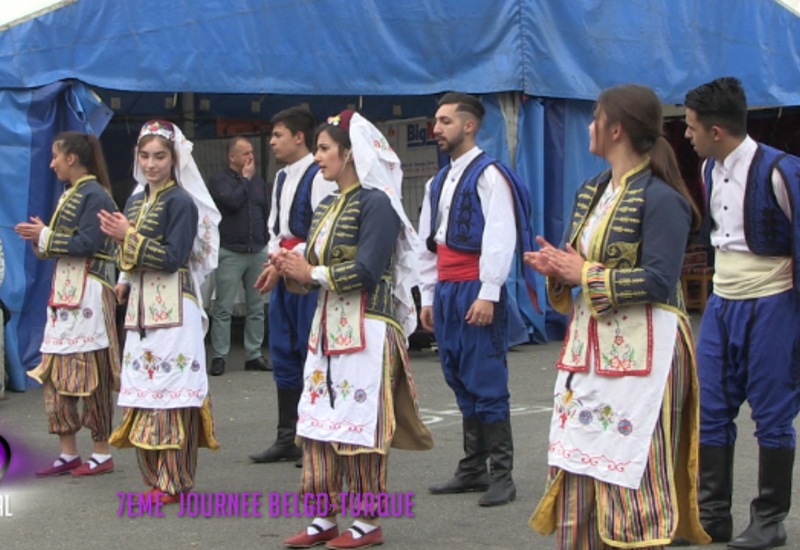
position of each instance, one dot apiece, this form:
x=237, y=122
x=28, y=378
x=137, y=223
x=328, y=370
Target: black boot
x=501, y=457
x=715, y=491
x=284, y=447
x=768, y=510
x=471, y=474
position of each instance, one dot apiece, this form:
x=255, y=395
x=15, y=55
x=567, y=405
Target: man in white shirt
x=469, y=226
x=299, y=188
x=749, y=344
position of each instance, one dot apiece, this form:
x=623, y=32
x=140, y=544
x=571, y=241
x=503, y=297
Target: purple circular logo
x=87, y=313
x=166, y=367
x=136, y=365
x=360, y=396
x=585, y=417
x=6, y=456
x=63, y=315
x=195, y=365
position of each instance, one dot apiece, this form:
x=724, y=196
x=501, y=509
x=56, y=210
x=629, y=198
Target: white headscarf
x=205, y=251
x=379, y=167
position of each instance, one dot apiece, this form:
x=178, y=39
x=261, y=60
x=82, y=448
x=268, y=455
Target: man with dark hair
x=750, y=333
x=242, y=199
x=298, y=189
x=463, y=296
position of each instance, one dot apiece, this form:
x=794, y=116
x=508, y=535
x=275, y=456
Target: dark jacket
x=244, y=205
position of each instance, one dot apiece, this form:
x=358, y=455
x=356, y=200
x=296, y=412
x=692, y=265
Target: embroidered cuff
x=490, y=292
x=129, y=250
x=344, y=277
x=596, y=288
x=153, y=255
x=56, y=244
x=628, y=286
x=560, y=295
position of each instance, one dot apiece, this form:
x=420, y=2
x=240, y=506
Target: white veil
x=205, y=251
x=379, y=167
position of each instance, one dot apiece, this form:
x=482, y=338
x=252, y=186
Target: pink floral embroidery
x=159, y=311
x=203, y=241
x=622, y=356
x=577, y=348
x=341, y=333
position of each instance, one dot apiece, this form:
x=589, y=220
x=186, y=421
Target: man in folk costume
x=80, y=357
x=299, y=188
x=475, y=214
x=750, y=334
x=169, y=243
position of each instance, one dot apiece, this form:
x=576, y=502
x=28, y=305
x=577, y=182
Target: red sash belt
x=289, y=244
x=457, y=266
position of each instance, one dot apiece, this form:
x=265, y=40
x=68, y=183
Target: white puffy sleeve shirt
x=499, y=235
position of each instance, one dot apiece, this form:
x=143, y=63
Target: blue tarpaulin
x=559, y=54
x=544, y=48
x=30, y=121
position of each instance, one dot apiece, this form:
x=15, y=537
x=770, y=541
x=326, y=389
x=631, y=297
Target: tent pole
x=188, y=114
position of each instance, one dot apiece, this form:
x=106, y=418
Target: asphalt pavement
x=87, y=513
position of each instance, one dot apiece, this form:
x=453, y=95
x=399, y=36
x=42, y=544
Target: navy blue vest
x=466, y=221
x=465, y=229
x=767, y=230
x=301, y=213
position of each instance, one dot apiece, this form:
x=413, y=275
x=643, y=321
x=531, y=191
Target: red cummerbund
x=457, y=266
x=289, y=244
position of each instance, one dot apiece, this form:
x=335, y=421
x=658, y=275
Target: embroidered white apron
x=606, y=406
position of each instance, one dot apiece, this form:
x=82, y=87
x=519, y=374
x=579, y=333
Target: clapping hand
x=293, y=265
x=115, y=225
x=30, y=231
x=564, y=265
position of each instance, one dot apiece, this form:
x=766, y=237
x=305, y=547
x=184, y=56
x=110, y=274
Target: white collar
x=463, y=161
x=299, y=165
x=744, y=151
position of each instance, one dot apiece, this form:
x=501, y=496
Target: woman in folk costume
x=623, y=437
x=359, y=397
x=80, y=355
x=168, y=243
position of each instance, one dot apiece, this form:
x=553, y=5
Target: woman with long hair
x=358, y=394
x=80, y=357
x=168, y=243
x=623, y=436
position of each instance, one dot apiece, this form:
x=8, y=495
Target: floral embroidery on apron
x=340, y=318
x=155, y=301
x=621, y=343
x=69, y=282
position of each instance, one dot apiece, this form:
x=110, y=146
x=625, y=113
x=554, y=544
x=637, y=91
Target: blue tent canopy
x=409, y=47
x=558, y=54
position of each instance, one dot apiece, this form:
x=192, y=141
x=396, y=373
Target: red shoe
x=303, y=540
x=164, y=498
x=372, y=538
x=63, y=467
x=99, y=468
x=167, y=498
